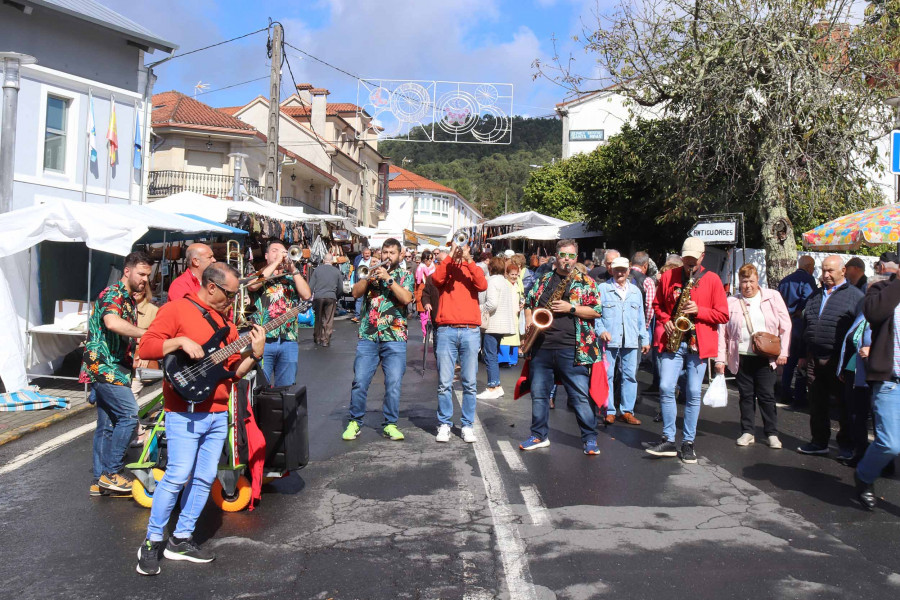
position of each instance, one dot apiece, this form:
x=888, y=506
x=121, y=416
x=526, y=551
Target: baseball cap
x=619, y=263
x=889, y=257
x=508, y=253
x=693, y=247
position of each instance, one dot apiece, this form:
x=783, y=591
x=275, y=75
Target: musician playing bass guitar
x=567, y=349
x=195, y=437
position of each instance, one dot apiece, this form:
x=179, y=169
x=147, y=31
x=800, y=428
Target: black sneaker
x=186, y=549
x=812, y=448
x=687, y=453
x=148, y=558
x=661, y=448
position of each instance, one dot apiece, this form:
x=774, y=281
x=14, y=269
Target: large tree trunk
x=777, y=230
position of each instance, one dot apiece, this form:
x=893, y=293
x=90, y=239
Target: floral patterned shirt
x=383, y=319
x=107, y=355
x=272, y=300
x=582, y=292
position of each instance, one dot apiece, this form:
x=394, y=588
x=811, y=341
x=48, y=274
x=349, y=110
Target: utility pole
x=271, y=181
x=11, y=62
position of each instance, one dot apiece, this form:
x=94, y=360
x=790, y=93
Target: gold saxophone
x=541, y=317
x=681, y=321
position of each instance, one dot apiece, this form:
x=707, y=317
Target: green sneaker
x=352, y=432
x=391, y=431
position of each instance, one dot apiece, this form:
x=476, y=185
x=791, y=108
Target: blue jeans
x=120, y=411
x=544, y=367
x=195, y=446
x=392, y=356
x=670, y=368
x=280, y=363
x=886, y=447
x=457, y=343
x=102, y=436
x=491, y=348
x=625, y=361
x=359, y=303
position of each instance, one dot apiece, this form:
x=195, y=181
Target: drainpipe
x=11, y=63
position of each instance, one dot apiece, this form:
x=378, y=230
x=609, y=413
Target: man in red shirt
x=707, y=309
x=458, y=279
x=197, y=257
x=195, y=439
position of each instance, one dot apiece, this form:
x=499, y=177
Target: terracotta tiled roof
x=230, y=110
x=332, y=109
x=407, y=180
x=319, y=91
x=304, y=86
x=174, y=108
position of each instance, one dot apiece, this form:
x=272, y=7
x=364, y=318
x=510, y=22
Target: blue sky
x=464, y=40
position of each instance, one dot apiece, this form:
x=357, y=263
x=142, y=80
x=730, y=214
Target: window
x=55, y=134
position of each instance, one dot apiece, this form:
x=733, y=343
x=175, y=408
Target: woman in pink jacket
x=755, y=374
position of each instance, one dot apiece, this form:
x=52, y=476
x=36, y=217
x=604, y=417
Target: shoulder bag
x=763, y=343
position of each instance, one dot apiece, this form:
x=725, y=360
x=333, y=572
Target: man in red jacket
x=195, y=438
x=458, y=279
x=706, y=309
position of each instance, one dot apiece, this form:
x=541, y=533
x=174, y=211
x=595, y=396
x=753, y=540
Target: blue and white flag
x=92, y=133
x=137, y=140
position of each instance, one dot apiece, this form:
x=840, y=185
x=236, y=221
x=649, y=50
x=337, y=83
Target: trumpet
x=295, y=253
x=363, y=272
x=461, y=238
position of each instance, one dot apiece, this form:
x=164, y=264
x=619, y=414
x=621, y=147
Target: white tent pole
x=90, y=260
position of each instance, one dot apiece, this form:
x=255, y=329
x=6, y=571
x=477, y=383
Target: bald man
x=197, y=258
x=828, y=316
x=796, y=289
x=600, y=273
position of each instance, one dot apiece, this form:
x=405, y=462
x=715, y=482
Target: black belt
x=462, y=326
x=272, y=340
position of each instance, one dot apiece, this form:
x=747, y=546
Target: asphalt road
x=374, y=519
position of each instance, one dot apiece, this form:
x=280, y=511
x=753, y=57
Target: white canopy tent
x=551, y=232
x=524, y=219
x=104, y=227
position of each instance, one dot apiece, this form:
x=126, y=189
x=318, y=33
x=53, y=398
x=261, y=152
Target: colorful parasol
x=870, y=227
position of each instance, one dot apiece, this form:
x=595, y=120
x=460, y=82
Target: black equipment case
x=283, y=419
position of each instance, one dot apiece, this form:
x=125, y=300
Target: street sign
x=895, y=152
x=721, y=232
x=586, y=135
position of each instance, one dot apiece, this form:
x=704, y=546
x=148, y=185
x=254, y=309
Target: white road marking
x=48, y=446
x=536, y=509
x=509, y=541
x=512, y=456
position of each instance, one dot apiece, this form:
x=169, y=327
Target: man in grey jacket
x=327, y=284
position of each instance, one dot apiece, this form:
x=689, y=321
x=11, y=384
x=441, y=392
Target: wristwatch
x=572, y=310
x=390, y=282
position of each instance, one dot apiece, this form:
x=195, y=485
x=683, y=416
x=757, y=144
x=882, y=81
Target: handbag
x=762, y=343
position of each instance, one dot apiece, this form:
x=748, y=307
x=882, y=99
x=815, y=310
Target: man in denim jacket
x=622, y=327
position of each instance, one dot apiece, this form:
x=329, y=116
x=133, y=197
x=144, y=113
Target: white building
x=417, y=204
x=82, y=49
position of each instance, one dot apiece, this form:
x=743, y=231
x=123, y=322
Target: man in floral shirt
x=566, y=349
x=272, y=298
x=106, y=366
x=382, y=338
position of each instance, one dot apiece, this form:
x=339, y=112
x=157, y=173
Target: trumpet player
x=698, y=318
x=279, y=288
x=567, y=349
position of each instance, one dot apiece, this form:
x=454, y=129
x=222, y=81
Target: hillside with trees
x=487, y=175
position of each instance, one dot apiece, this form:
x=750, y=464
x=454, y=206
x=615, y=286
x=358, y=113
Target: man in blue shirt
x=796, y=289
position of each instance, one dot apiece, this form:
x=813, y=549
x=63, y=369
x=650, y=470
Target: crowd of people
x=585, y=327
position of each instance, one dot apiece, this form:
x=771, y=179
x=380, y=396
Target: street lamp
x=11, y=62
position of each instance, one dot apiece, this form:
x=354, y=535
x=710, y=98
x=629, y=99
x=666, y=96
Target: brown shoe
x=629, y=418
x=609, y=419
x=116, y=483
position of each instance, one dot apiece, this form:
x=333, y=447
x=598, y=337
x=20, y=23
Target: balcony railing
x=345, y=210
x=166, y=183
x=307, y=207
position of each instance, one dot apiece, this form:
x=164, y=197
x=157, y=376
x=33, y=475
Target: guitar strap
x=207, y=316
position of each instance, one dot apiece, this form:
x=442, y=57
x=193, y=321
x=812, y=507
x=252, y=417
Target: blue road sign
x=895, y=152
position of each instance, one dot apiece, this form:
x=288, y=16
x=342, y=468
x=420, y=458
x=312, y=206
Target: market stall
x=543, y=238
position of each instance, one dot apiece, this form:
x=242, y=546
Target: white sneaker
x=745, y=440
x=487, y=394
x=468, y=435
x=443, y=434
x=499, y=392
x=774, y=442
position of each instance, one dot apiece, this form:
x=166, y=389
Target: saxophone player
x=567, y=348
x=688, y=346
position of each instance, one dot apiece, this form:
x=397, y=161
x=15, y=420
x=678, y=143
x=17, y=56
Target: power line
x=220, y=43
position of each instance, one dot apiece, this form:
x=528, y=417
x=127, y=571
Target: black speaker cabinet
x=283, y=419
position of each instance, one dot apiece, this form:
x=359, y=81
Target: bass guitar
x=195, y=380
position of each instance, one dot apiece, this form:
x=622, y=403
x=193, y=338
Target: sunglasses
x=228, y=295
x=570, y=255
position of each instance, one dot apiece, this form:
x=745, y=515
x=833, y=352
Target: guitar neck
x=240, y=343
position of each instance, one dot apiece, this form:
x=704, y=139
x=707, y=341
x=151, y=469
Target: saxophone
x=541, y=317
x=681, y=321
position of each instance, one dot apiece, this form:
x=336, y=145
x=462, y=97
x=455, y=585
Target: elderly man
x=796, y=289
x=327, y=284
x=827, y=317
x=197, y=258
x=600, y=273
x=856, y=273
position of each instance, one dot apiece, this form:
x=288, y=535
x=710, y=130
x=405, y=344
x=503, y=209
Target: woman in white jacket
x=499, y=318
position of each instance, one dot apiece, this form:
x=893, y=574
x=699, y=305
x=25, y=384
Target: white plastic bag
x=716, y=395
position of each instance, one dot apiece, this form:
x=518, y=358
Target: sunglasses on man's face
x=569, y=255
x=228, y=295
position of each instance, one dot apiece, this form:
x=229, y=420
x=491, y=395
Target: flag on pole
x=137, y=139
x=112, y=135
x=92, y=133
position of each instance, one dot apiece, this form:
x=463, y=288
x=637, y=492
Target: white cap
x=693, y=247
x=508, y=253
x=619, y=263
